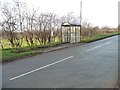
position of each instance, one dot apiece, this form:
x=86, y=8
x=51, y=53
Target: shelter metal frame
x=70, y=28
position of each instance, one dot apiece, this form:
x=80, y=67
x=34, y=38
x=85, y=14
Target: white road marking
x=93, y=48
x=116, y=38
x=107, y=42
x=40, y=68
x=98, y=46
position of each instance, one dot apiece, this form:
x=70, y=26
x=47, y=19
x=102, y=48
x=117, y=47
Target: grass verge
x=98, y=37
x=11, y=54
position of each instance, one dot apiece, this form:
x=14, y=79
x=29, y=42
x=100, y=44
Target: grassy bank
x=11, y=54
x=97, y=37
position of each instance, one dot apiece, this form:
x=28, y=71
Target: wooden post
x=67, y=34
x=80, y=33
x=75, y=34
x=61, y=35
x=70, y=34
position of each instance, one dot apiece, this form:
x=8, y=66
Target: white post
x=80, y=19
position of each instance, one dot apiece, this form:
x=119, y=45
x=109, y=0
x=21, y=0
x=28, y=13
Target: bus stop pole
x=80, y=20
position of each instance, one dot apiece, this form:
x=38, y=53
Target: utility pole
x=80, y=19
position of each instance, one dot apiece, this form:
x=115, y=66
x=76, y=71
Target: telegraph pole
x=80, y=19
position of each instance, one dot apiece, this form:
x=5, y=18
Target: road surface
x=92, y=65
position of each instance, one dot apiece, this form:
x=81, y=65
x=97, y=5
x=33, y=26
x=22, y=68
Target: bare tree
x=9, y=25
x=38, y=28
x=88, y=29
x=67, y=18
x=13, y=22
x=20, y=13
x=30, y=20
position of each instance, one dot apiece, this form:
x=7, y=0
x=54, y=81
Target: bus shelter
x=70, y=33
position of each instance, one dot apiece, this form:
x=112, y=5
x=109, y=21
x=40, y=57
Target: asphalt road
x=92, y=65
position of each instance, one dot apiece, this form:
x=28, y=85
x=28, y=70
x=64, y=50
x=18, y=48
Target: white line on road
x=107, y=42
x=93, y=48
x=40, y=68
x=98, y=46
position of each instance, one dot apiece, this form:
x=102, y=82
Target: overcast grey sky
x=97, y=12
